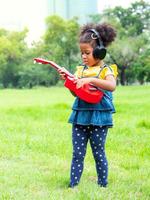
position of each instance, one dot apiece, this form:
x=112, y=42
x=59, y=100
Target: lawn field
x=36, y=147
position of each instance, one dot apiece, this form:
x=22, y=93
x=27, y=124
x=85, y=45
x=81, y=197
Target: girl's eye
x=85, y=53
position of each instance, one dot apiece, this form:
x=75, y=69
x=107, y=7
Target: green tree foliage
x=130, y=51
x=133, y=29
x=135, y=19
x=142, y=67
x=34, y=75
x=61, y=40
x=31, y=74
x=125, y=52
x=59, y=43
x=12, y=50
x=135, y=22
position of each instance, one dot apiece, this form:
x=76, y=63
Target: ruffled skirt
x=91, y=117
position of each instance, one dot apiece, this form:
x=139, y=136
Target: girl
x=90, y=122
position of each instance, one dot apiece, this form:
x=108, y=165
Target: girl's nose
x=83, y=55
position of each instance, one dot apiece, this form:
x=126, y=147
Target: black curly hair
x=107, y=34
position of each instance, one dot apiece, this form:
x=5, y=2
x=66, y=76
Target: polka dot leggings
x=97, y=136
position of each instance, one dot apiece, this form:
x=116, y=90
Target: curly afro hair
x=107, y=33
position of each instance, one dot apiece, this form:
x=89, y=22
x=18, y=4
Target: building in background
x=68, y=9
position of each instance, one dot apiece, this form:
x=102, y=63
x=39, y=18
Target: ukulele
x=88, y=92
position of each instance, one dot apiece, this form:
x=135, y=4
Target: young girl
x=90, y=122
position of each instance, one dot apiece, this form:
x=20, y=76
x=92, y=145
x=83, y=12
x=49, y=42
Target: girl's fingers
x=75, y=80
x=79, y=83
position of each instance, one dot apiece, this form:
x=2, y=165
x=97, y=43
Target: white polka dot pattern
x=96, y=135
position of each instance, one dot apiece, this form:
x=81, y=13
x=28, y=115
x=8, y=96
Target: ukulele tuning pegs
x=35, y=61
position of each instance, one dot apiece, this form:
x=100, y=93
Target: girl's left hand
x=62, y=73
x=81, y=82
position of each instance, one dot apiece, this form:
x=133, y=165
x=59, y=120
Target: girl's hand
x=81, y=82
x=109, y=83
x=62, y=73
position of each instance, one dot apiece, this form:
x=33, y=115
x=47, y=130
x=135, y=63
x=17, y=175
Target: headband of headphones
x=95, y=36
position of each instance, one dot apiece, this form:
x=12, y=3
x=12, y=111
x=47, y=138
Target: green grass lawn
x=35, y=147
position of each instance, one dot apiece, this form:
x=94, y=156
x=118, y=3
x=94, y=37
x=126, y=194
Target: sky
x=29, y=13
x=103, y=4
x=23, y=13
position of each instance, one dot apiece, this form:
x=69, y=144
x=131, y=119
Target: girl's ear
x=99, y=51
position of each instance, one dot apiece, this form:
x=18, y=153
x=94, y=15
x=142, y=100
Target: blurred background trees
x=130, y=51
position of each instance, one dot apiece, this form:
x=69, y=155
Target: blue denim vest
x=99, y=114
x=106, y=104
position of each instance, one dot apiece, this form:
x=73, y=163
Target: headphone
x=100, y=51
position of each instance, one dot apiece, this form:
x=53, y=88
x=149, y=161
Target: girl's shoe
x=104, y=186
x=72, y=185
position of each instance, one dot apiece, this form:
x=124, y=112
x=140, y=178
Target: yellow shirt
x=94, y=71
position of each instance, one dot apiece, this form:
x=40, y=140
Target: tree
x=59, y=43
x=142, y=67
x=133, y=29
x=135, y=19
x=61, y=40
x=12, y=48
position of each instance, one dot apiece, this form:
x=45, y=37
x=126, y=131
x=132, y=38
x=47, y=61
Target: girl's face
x=87, y=55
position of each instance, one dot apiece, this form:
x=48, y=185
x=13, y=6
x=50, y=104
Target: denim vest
x=105, y=104
x=99, y=114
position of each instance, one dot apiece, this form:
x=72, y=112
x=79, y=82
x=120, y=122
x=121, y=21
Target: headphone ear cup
x=99, y=52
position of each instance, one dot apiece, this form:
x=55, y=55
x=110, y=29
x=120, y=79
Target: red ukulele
x=88, y=92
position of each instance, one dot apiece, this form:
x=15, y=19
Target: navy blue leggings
x=97, y=136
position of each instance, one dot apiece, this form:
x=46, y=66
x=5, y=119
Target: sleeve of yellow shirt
x=111, y=70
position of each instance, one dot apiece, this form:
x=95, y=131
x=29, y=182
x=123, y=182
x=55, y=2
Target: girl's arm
x=109, y=83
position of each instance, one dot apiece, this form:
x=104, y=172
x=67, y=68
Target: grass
x=35, y=147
